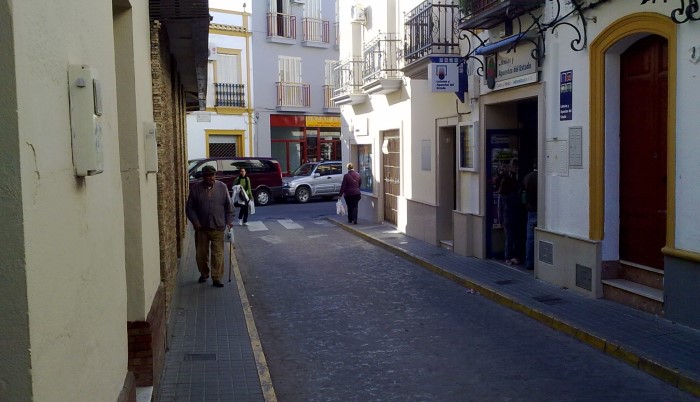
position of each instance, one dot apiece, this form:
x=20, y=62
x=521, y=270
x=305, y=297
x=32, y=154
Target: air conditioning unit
x=212, y=52
x=357, y=13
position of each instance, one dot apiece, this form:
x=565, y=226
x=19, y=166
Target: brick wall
x=169, y=114
x=147, y=344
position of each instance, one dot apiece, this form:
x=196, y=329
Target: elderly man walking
x=210, y=210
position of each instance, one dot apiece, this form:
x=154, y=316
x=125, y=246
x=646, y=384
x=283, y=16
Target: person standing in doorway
x=508, y=193
x=210, y=210
x=244, y=181
x=529, y=191
x=350, y=190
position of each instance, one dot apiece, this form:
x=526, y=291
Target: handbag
x=340, y=208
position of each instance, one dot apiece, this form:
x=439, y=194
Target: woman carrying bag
x=350, y=189
x=244, y=197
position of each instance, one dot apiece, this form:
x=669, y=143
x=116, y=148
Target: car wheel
x=303, y=194
x=262, y=197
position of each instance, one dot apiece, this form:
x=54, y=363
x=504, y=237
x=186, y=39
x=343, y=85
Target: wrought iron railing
x=281, y=25
x=381, y=57
x=431, y=28
x=232, y=95
x=471, y=7
x=327, y=97
x=293, y=94
x=316, y=30
x=348, y=76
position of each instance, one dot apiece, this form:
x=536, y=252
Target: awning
x=501, y=44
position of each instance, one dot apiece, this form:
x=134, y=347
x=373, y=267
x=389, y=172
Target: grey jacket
x=211, y=208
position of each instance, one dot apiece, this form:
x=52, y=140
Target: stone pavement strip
x=654, y=345
x=214, y=352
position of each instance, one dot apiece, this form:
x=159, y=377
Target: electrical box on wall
x=150, y=147
x=85, y=94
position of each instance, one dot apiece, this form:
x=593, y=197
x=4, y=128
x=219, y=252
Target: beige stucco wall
x=73, y=226
x=133, y=54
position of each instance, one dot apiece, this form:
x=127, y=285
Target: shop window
x=364, y=167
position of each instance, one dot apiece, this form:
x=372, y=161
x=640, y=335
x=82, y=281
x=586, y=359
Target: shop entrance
x=391, y=174
x=510, y=154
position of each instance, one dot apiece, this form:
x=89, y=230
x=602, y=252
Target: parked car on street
x=314, y=179
x=265, y=175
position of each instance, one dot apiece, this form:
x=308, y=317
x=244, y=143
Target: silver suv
x=313, y=179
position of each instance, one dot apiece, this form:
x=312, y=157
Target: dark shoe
x=203, y=279
x=354, y=222
x=218, y=284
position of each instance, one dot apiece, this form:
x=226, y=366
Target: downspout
x=248, y=34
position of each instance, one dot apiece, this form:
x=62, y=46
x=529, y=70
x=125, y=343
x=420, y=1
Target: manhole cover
x=505, y=282
x=199, y=357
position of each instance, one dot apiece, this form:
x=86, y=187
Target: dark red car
x=265, y=174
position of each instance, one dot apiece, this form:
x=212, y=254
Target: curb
x=666, y=374
x=260, y=361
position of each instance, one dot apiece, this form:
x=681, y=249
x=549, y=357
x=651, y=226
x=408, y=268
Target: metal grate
x=505, y=282
x=199, y=357
x=546, y=252
x=584, y=277
x=550, y=299
x=217, y=149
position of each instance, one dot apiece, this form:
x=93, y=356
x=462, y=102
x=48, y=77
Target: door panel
x=643, y=162
x=391, y=174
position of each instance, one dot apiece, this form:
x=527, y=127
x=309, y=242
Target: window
x=467, y=152
x=364, y=167
x=312, y=9
x=329, y=76
x=289, y=69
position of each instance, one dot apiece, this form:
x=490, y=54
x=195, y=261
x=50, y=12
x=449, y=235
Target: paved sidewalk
x=214, y=352
x=657, y=346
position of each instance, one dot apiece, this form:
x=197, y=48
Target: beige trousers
x=203, y=238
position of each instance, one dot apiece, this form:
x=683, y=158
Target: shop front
x=298, y=139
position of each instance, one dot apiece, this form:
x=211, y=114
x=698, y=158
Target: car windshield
x=304, y=170
x=192, y=164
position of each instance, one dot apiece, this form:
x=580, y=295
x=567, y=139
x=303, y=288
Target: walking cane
x=230, y=259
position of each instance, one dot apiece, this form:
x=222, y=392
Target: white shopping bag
x=228, y=235
x=340, y=207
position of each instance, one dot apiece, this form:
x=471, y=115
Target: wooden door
x=643, y=135
x=391, y=174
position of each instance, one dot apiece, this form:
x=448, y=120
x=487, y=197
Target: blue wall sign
x=566, y=83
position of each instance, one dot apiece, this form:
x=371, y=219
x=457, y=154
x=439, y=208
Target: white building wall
x=211, y=119
x=567, y=202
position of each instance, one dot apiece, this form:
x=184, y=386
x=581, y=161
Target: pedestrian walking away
x=211, y=211
x=243, y=202
x=350, y=190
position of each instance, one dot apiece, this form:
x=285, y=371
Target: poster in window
x=467, y=148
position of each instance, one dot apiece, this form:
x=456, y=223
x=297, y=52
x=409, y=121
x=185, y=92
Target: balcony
x=348, y=86
x=316, y=32
x=485, y=14
x=430, y=30
x=229, y=95
x=381, y=72
x=328, y=104
x=281, y=28
x=293, y=95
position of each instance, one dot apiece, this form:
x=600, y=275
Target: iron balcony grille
x=281, y=25
x=348, y=76
x=293, y=94
x=381, y=57
x=431, y=28
x=472, y=7
x=316, y=30
x=231, y=95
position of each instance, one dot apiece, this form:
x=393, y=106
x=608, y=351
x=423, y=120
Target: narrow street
x=343, y=320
